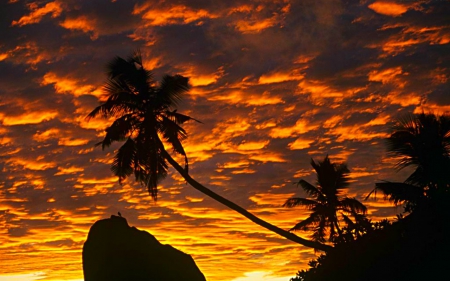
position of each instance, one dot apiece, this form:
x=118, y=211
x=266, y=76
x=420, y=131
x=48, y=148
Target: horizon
x=274, y=83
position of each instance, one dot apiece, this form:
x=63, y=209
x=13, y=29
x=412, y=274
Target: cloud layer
x=275, y=84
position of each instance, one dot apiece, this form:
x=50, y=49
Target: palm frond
x=331, y=177
x=144, y=113
x=399, y=192
x=150, y=165
x=178, y=117
x=173, y=133
x=120, y=101
x=342, y=178
x=310, y=189
x=122, y=165
x=348, y=221
x=119, y=130
x=129, y=72
x=352, y=205
x=311, y=221
x=171, y=89
x=319, y=232
x=293, y=202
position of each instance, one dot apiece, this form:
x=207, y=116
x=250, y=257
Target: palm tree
x=146, y=118
x=423, y=142
x=325, y=201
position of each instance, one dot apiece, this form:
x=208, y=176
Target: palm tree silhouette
x=423, y=142
x=145, y=112
x=325, y=201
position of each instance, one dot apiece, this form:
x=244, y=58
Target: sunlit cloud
x=279, y=77
x=260, y=275
x=385, y=76
x=35, y=165
x=253, y=19
x=300, y=144
x=253, y=145
x=271, y=198
x=82, y=23
x=388, y=8
x=69, y=170
x=202, y=79
x=275, y=84
x=27, y=118
x=23, y=277
x=3, y=56
x=72, y=141
x=46, y=135
x=177, y=14
x=37, y=13
x=250, y=99
x=68, y=85
x=301, y=126
x=355, y=133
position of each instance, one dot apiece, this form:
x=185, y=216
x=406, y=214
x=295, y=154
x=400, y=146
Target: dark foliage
x=326, y=201
x=415, y=247
x=421, y=141
x=145, y=118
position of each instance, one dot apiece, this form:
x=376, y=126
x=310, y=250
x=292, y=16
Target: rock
x=114, y=251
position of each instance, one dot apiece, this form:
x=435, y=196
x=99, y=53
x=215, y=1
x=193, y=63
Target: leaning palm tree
x=325, y=201
x=146, y=119
x=421, y=141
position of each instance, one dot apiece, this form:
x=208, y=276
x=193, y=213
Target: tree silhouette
x=325, y=201
x=145, y=112
x=423, y=142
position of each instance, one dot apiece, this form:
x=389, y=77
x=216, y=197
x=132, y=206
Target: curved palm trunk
x=242, y=211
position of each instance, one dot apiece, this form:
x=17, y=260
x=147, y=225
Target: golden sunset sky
x=275, y=84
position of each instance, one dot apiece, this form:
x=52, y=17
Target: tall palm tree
x=325, y=201
x=146, y=118
x=423, y=142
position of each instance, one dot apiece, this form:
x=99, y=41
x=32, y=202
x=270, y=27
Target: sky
x=275, y=84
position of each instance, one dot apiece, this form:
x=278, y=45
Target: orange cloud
x=234, y=165
x=402, y=98
x=388, y=8
x=3, y=56
x=33, y=117
x=253, y=145
x=254, y=18
x=300, y=127
x=319, y=90
x=332, y=121
x=255, y=26
x=32, y=164
x=28, y=52
x=267, y=156
x=82, y=23
x=355, y=133
x=248, y=98
x=68, y=170
x=72, y=142
x=432, y=107
x=46, y=135
x=36, y=14
x=202, y=79
x=173, y=15
x=385, y=76
x=271, y=198
x=279, y=77
x=65, y=85
x=300, y=144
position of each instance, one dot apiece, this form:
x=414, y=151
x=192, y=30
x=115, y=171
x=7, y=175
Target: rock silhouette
x=114, y=251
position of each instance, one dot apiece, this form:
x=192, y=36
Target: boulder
x=114, y=251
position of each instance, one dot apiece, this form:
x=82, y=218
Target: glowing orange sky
x=274, y=83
